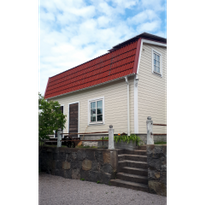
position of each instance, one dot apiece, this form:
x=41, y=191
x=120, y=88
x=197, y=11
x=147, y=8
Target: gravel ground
x=56, y=190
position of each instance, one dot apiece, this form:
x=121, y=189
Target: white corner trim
x=136, y=123
x=78, y=115
x=103, y=106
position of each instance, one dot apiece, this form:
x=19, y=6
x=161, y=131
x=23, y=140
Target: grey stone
x=76, y=164
x=153, y=174
x=81, y=154
x=107, y=168
x=105, y=177
x=154, y=163
x=95, y=166
x=163, y=177
x=76, y=174
x=94, y=176
x=67, y=173
x=157, y=188
x=106, y=157
x=99, y=156
x=90, y=154
x=74, y=155
x=84, y=174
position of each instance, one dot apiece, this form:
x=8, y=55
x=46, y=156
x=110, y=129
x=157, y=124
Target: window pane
x=99, y=118
x=154, y=68
x=155, y=62
x=99, y=111
x=154, y=56
x=92, y=105
x=93, y=111
x=99, y=104
x=158, y=58
x=93, y=118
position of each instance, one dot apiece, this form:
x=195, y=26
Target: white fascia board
x=136, y=122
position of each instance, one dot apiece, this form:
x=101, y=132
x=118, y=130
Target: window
x=96, y=111
x=156, y=62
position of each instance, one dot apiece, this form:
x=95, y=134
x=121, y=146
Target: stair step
x=129, y=185
x=132, y=170
x=136, y=151
x=134, y=157
x=132, y=178
x=131, y=163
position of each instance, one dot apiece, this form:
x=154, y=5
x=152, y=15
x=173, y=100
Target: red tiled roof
x=113, y=65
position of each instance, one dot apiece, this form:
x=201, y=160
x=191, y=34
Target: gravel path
x=56, y=190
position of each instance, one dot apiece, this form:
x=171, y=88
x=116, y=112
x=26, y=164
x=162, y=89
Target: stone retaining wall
x=157, y=169
x=77, y=163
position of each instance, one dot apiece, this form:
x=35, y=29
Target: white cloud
x=73, y=32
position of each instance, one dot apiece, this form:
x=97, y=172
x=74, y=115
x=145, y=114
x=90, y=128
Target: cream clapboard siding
x=115, y=106
x=152, y=95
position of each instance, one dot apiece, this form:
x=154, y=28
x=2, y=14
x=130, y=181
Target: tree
x=51, y=117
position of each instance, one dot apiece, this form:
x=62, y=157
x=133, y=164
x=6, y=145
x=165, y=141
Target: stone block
x=65, y=165
x=163, y=178
x=81, y=154
x=153, y=174
x=84, y=174
x=76, y=174
x=94, y=176
x=153, y=163
x=76, y=164
x=107, y=168
x=105, y=177
x=99, y=156
x=74, y=155
x=67, y=173
x=86, y=164
x=90, y=154
x=95, y=166
x=106, y=157
x=157, y=188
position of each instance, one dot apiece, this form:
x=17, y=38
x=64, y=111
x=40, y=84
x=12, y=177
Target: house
x=120, y=88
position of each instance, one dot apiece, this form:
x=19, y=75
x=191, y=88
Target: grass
x=160, y=142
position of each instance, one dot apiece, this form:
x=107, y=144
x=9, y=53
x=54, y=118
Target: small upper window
x=156, y=62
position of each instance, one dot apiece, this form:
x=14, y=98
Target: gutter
x=128, y=105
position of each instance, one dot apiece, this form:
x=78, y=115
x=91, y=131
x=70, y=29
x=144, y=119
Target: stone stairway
x=132, y=169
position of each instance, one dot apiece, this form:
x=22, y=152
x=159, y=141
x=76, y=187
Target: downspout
x=128, y=106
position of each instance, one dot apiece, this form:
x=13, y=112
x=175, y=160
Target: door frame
x=78, y=114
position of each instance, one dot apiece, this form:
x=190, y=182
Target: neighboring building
x=120, y=88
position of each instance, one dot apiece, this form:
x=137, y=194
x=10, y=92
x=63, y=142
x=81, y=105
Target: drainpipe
x=128, y=106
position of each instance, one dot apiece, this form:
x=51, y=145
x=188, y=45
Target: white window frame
x=89, y=111
x=160, y=58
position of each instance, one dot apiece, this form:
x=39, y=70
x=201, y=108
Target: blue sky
x=75, y=31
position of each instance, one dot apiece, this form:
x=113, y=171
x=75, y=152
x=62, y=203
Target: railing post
x=150, y=139
x=59, y=137
x=111, y=138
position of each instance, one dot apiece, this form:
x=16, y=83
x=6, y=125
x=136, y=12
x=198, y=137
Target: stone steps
x=132, y=169
x=129, y=185
x=133, y=157
x=131, y=163
x=132, y=177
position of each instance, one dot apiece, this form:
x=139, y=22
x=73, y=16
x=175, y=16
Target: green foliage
x=82, y=179
x=103, y=138
x=98, y=182
x=134, y=138
x=160, y=142
x=50, y=117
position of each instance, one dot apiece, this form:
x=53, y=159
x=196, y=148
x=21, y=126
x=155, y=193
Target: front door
x=73, y=119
